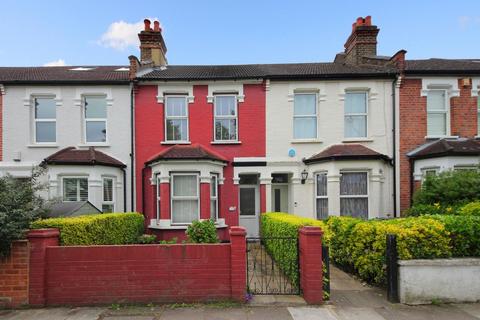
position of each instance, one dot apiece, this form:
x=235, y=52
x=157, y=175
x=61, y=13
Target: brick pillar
x=164, y=200
x=39, y=240
x=238, y=263
x=14, y=276
x=311, y=273
x=205, y=200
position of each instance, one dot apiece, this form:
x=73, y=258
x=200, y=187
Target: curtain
x=436, y=124
x=354, y=184
x=354, y=207
x=185, y=185
x=356, y=102
x=355, y=126
x=305, y=128
x=225, y=106
x=184, y=211
x=355, y=115
x=322, y=203
x=322, y=208
x=176, y=107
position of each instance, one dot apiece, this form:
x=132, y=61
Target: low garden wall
x=439, y=280
x=14, y=276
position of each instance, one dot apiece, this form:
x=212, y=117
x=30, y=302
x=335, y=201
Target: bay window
x=437, y=113
x=45, y=120
x=356, y=115
x=321, y=195
x=176, y=118
x=214, y=197
x=185, y=202
x=354, y=194
x=75, y=189
x=95, y=115
x=226, y=118
x=108, y=195
x=305, y=116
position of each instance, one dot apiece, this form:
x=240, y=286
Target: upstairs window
x=185, y=198
x=321, y=196
x=437, y=113
x=354, y=194
x=176, y=118
x=226, y=118
x=45, y=120
x=95, y=119
x=305, y=116
x=75, y=189
x=108, y=192
x=356, y=114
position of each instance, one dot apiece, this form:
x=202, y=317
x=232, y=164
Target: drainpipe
x=412, y=180
x=132, y=148
x=394, y=162
x=124, y=170
x=143, y=190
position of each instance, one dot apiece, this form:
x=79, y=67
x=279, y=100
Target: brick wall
x=463, y=113
x=14, y=276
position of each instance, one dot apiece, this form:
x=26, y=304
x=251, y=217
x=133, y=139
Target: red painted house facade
x=193, y=126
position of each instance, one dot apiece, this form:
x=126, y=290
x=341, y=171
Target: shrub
x=147, y=239
x=470, y=209
x=464, y=234
x=432, y=209
x=202, y=232
x=98, y=229
x=449, y=188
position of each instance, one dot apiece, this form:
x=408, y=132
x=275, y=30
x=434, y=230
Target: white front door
x=249, y=208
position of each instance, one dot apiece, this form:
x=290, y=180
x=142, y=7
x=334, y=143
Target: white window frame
x=446, y=112
x=223, y=117
x=85, y=119
x=78, y=188
x=35, y=120
x=365, y=114
x=306, y=116
x=105, y=202
x=214, y=198
x=173, y=197
x=176, y=117
x=367, y=196
x=158, y=194
x=316, y=189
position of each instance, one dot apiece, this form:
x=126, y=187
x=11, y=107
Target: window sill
x=43, y=146
x=175, y=142
x=166, y=225
x=226, y=142
x=357, y=140
x=306, y=141
x=441, y=137
x=86, y=145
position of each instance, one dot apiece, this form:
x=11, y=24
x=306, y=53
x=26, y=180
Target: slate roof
x=347, y=151
x=187, y=152
x=64, y=75
x=90, y=156
x=445, y=66
x=74, y=208
x=271, y=71
x=446, y=147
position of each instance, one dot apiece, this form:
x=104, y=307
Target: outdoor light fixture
x=304, y=176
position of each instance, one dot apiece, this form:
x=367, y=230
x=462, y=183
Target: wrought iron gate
x=273, y=266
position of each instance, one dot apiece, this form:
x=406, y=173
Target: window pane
x=321, y=184
x=437, y=124
x=355, y=102
x=226, y=129
x=248, y=179
x=304, y=104
x=213, y=186
x=176, y=106
x=45, y=131
x=305, y=128
x=213, y=209
x=69, y=189
x=177, y=129
x=107, y=189
x=107, y=208
x=95, y=107
x=436, y=100
x=354, y=207
x=247, y=201
x=184, y=211
x=355, y=126
x=45, y=108
x=185, y=186
x=83, y=185
x=322, y=208
x=96, y=131
x=353, y=183
x=225, y=105
x=279, y=178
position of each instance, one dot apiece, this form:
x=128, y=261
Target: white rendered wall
x=443, y=164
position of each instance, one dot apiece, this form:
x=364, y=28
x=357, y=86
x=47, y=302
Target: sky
x=104, y=32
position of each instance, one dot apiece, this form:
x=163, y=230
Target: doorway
x=280, y=192
x=249, y=204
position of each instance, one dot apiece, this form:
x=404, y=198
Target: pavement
x=350, y=299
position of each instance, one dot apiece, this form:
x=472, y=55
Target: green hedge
x=464, y=234
x=98, y=229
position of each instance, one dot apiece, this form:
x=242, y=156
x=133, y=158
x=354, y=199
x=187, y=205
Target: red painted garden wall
x=14, y=276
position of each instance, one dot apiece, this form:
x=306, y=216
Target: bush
x=464, y=234
x=432, y=209
x=147, y=239
x=449, y=188
x=98, y=229
x=202, y=232
x=470, y=209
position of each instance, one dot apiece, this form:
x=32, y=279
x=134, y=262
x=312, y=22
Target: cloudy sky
x=228, y=32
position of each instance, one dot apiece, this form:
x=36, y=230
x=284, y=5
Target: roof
x=271, y=71
x=446, y=147
x=89, y=157
x=445, y=66
x=74, y=208
x=346, y=152
x=65, y=75
x=187, y=152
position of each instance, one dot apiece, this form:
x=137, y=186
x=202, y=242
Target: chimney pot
x=156, y=26
x=147, y=24
x=360, y=21
x=368, y=20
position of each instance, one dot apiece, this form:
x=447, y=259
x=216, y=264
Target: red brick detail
x=14, y=276
x=417, y=185
x=39, y=240
x=463, y=112
x=164, y=200
x=204, y=200
x=238, y=264
x=311, y=273
x=263, y=198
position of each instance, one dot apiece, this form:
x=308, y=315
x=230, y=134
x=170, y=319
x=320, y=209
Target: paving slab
x=347, y=313
x=45, y=313
x=274, y=313
x=183, y=314
x=129, y=318
x=311, y=313
x=224, y=314
x=277, y=300
x=472, y=309
x=85, y=313
x=442, y=312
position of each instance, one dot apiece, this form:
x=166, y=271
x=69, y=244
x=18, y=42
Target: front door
x=280, y=197
x=249, y=208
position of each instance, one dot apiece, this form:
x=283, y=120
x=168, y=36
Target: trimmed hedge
x=98, y=229
x=464, y=234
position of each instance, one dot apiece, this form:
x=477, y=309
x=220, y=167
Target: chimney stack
x=362, y=42
x=152, y=46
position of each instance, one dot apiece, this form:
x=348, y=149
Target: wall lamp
x=304, y=176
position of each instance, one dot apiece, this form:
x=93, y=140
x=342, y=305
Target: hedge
x=464, y=234
x=98, y=229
